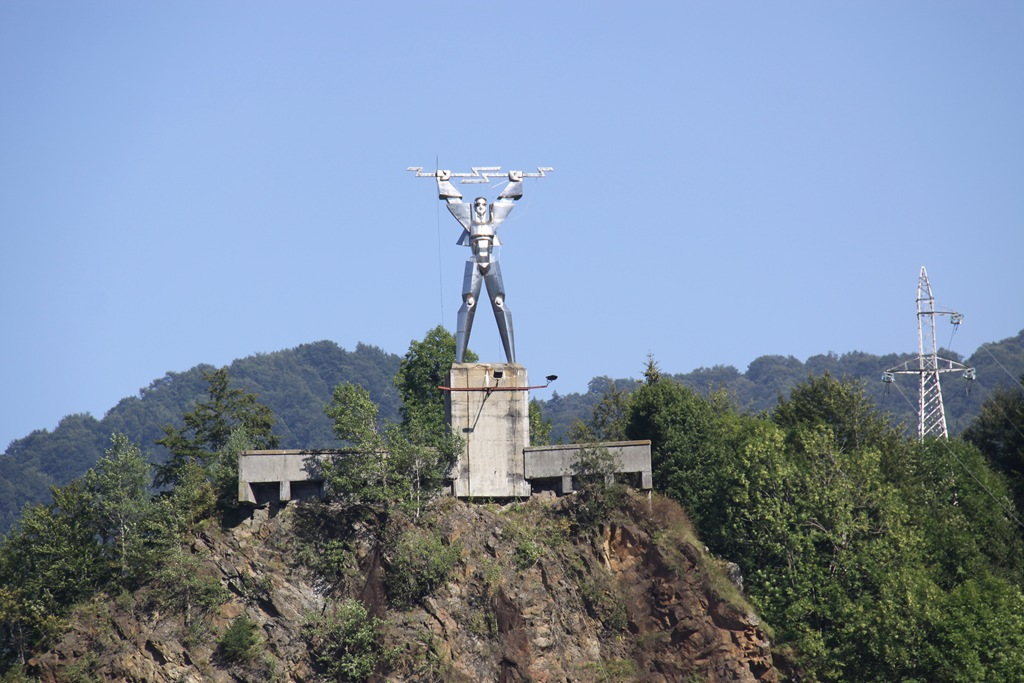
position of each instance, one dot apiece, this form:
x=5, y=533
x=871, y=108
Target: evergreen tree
x=119, y=485
x=100, y=531
x=209, y=425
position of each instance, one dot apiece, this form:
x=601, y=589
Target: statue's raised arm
x=448, y=192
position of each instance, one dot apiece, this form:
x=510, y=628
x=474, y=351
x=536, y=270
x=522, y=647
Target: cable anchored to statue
x=480, y=222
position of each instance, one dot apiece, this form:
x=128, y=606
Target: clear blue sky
x=193, y=182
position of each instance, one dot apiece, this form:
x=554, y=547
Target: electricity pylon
x=931, y=415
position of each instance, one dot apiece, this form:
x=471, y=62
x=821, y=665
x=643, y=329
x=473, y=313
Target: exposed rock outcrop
x=529, y=599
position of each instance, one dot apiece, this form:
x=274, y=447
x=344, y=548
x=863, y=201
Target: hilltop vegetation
x=871, y=556
x=998, y=364
x=385, y=576
x=874, y=557
x=296, y=383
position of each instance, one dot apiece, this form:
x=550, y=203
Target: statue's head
x=480, y=208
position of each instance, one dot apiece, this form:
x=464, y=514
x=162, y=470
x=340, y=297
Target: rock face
x=530, y=598
x=690, y=626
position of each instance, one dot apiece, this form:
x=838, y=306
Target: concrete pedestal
x=488, y=407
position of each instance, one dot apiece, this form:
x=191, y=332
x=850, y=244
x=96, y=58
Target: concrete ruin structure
x=487, y=404
x=285, y=475
x=281, y=475
x=552, y=467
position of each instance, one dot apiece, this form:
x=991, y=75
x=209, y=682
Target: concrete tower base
x=488, y=406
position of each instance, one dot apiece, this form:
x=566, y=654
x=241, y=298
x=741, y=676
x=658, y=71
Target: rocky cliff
x=528, y=594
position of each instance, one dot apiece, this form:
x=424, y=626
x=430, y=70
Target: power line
x=1009, y=420
x=1016, y=380
x=1001, y=502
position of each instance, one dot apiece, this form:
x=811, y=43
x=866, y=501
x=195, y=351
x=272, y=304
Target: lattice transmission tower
x=931, y=415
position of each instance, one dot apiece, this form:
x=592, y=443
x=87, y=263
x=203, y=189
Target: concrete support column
x=488, y=407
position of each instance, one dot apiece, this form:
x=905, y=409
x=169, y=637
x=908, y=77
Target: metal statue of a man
x=480, y=222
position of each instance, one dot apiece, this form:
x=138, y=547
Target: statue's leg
x=470, y=293
x=496, y=291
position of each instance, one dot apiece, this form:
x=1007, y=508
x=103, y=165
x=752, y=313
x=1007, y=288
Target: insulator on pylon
x=888, y=377
x=956, y=319
x=969, y=374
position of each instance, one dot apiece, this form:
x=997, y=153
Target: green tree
x=208, y=428
x=184, y=584
x=607, y=421
x=965, y=510
x=859, y=544
x=998, y=432
x=408, y=462
x=48, y=562
x=422, y=370
x=540, y=429
x=346, y=641
x=598, y=493
x=688, y=434
x=386, y=463
x=122, y=505
x=841, y=405
x=224, y=472
x=103, y=530
x=55, y=549
x=977, y=633
x=365, y=472
x=241, y=641
x=843, y=555
x=192, y=500
x=418, y=562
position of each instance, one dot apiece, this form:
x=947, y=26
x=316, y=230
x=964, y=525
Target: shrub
x=184, y=586
x=603, y=601
x=419, y=563
x=598, y=493
x=527, y=553
x=240, y=641
x=345, y=641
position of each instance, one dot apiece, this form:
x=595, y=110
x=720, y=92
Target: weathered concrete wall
x=498, y=461
x=488, y=407
x=282, y=467
x=556, y=462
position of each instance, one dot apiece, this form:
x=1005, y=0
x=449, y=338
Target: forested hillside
x=875, y=556
x=296, y=383
x=818, y=539
x=998, y=364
